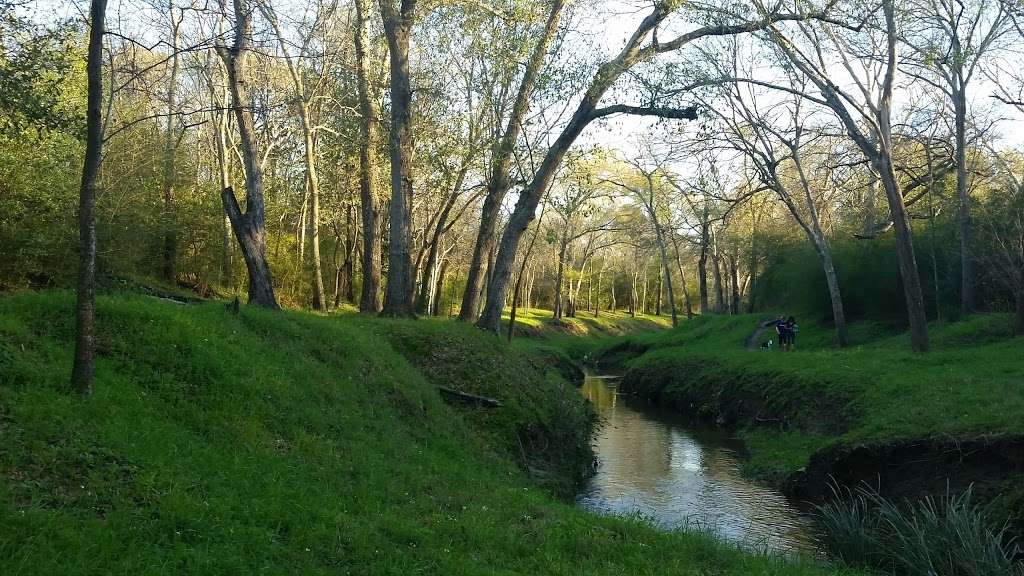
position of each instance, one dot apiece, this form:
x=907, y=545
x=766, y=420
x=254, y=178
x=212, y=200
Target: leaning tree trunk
x=398, y=299
x=905, y=255
x=85, y=307
x=372, y=215
x=249, y=228
x=498, y=180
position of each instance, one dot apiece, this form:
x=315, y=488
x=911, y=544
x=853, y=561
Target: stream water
x=675, y=474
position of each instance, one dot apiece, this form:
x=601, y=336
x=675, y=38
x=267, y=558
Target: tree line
x=458, y=158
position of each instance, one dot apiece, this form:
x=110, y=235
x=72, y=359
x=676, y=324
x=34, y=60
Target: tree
x=398, y=299
x=772, y=138
x=303, y=99
x=498, y=182
x=85, y=308
x=647, y=194
x=249, y=227
x=633, y=53
x=950, y=39
x=177, y=15
x=867, y=120
x=372, y=215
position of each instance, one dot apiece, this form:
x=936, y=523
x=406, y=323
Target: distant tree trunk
x=735, y=281
x=498, y=179
x=170, y=247
x=682, y=279
x=249, y=228
x=350, y=255
x=661, y=288
x=613, y=303
x=85, y=307
x=717, y=278
x=398, y=299
x=643, y=302
x=560, y=273
x=702, y=262
x=372, y=215
x=519, y=277
x=1019, y=320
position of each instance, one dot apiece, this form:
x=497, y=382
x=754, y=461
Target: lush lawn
x=287, y=443
x=970, y=384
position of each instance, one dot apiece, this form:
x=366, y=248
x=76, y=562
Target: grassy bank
x=287, y=443
x=793, y=405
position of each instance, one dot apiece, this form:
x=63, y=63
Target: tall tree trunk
x=313, y=180
x=702, y=262
x=716, y=272
x=85, y=307
x=905, y=256
x=661, y=288
x=250, y=227
x=372, y=215
x=963, y=205
x=498, y=179
x=170, y=247
x=613, y=302
x=398, y=299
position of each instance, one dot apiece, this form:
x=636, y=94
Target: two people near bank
x=787, y=329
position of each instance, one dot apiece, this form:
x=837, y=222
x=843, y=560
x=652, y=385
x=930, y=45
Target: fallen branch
x=449, y=394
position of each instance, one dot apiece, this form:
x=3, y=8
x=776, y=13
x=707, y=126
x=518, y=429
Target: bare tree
x=636, y=51
x=249, y=227
x=950, y=39
x=772, y=139
x=303, y=100
x=867, y=120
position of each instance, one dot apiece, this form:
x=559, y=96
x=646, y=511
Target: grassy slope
x=286, y=443
x=969, y=384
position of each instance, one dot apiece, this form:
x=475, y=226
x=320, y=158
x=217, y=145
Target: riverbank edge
x=363, y=456
x=796, y=440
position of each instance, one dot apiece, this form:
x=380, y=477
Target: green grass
x=289, y=443
x=877, y=390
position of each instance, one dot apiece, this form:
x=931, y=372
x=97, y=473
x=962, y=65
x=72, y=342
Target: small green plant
x=947, y=536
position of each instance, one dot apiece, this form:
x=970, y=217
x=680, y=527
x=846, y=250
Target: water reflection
x=675, y=474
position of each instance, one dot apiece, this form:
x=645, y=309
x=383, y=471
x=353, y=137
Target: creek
x=676, y=474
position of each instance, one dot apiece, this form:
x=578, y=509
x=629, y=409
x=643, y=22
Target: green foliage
x=290, y=443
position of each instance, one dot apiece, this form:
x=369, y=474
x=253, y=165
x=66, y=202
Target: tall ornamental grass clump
x=947, y=536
